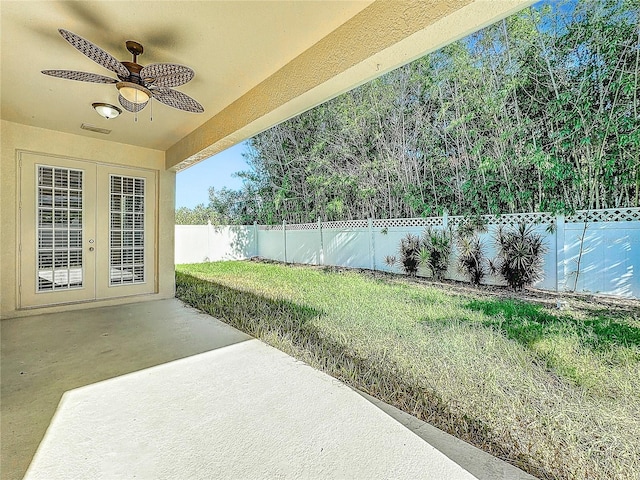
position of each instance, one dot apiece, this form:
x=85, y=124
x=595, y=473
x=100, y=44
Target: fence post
x=209, y=235
x=255, y=239
x=321, y=253
x=372, y=245
x=559, y=251
x=284, y=239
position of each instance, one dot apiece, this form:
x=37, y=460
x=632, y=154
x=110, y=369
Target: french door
x=87, y=231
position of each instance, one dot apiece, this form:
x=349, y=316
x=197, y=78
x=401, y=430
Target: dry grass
x=556, y=395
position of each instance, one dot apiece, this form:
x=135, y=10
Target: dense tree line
x=538, y=112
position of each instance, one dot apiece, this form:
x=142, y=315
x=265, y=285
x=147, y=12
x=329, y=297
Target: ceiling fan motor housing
x=134, y=73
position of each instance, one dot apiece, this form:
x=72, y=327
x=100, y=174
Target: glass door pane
x=126, y=230
x=59, y=229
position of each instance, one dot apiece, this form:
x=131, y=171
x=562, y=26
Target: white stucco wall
x=15, y=137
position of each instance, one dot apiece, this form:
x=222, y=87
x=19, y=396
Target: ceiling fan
x=136, y=84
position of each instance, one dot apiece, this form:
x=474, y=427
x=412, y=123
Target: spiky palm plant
x=472, y=225
x=423, y=255
x=438, y=244
x=391, y=260
x=520, y=256
x=409, y=254
x=471, y=261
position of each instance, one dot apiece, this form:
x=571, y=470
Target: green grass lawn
x=556, y=393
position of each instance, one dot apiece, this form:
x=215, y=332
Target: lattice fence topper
x=303, y=226
x=513, y=219
x=346, y=224
x=607, y=215
x=507, y=219
x=409, y=222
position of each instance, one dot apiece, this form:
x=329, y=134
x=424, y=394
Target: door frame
x=104, y=289
x=22, y=249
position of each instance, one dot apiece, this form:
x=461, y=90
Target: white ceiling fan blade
x=166, y=74
x=176, y=99
x=95, y=53
x=80, y=76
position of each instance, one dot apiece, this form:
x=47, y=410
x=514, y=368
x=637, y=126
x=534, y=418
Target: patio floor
x=159, y=390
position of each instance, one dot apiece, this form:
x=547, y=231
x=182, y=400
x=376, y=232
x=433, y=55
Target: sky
x=192, y=184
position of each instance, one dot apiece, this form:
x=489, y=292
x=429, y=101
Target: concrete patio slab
x=244, y=411
x=159, y=390
x=44, y=356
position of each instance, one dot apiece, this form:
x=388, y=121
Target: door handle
x=91, y=249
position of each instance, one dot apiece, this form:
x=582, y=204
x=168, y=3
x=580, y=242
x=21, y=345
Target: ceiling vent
x=93, y=128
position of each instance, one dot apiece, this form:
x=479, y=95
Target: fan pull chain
x=151, y=108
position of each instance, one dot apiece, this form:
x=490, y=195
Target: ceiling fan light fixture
x=133, y=92
x=106, y=110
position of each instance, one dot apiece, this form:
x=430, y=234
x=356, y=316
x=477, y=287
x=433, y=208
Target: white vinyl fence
x=208, y=243
x=595, y=251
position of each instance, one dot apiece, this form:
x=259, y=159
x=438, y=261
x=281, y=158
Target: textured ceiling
x=231, y=45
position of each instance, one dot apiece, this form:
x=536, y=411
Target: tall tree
x=538, y=112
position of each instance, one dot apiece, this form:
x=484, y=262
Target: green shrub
x=519, y=259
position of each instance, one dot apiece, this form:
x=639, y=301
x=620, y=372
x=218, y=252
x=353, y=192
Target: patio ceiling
x=256, y=62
